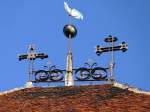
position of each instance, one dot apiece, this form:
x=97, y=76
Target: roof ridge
x=115, y=84
x=27, y=85
x=130, y=88
x=11, y=90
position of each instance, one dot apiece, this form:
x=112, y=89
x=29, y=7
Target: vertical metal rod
x=112, y=61
x=69, y=20
x=70, y=44
x=69, y=78
x=69, y=40
x=31, y=68
x=31, y=61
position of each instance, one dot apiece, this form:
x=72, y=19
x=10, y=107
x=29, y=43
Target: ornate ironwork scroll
x=90, y=72
x=53, y=74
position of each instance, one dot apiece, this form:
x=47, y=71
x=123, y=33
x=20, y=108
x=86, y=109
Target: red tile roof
x=98, y=98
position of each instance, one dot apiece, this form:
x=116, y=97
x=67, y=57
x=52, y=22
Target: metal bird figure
x=73, y=12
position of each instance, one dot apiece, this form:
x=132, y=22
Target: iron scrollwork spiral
x=52, y=74
x=91, y=72
x=56, y=75
x=82, y=74
x=41, y=76
x=99, y=73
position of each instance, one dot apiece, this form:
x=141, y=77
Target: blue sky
x=23, y=22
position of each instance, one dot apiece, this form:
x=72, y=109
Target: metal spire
x=70, y=32
x=69, y=81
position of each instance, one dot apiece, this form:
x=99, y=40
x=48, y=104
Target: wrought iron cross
x=31, y=56
x=122, y=47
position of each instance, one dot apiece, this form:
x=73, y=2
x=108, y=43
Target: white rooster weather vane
x=73, y=12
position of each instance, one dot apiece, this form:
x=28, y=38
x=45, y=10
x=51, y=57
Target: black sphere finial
x=70, y=31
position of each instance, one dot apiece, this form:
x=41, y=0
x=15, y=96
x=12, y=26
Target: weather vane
x=70, y=32
x=89, y=72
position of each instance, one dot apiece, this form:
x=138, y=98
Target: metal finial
x=70, y=31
